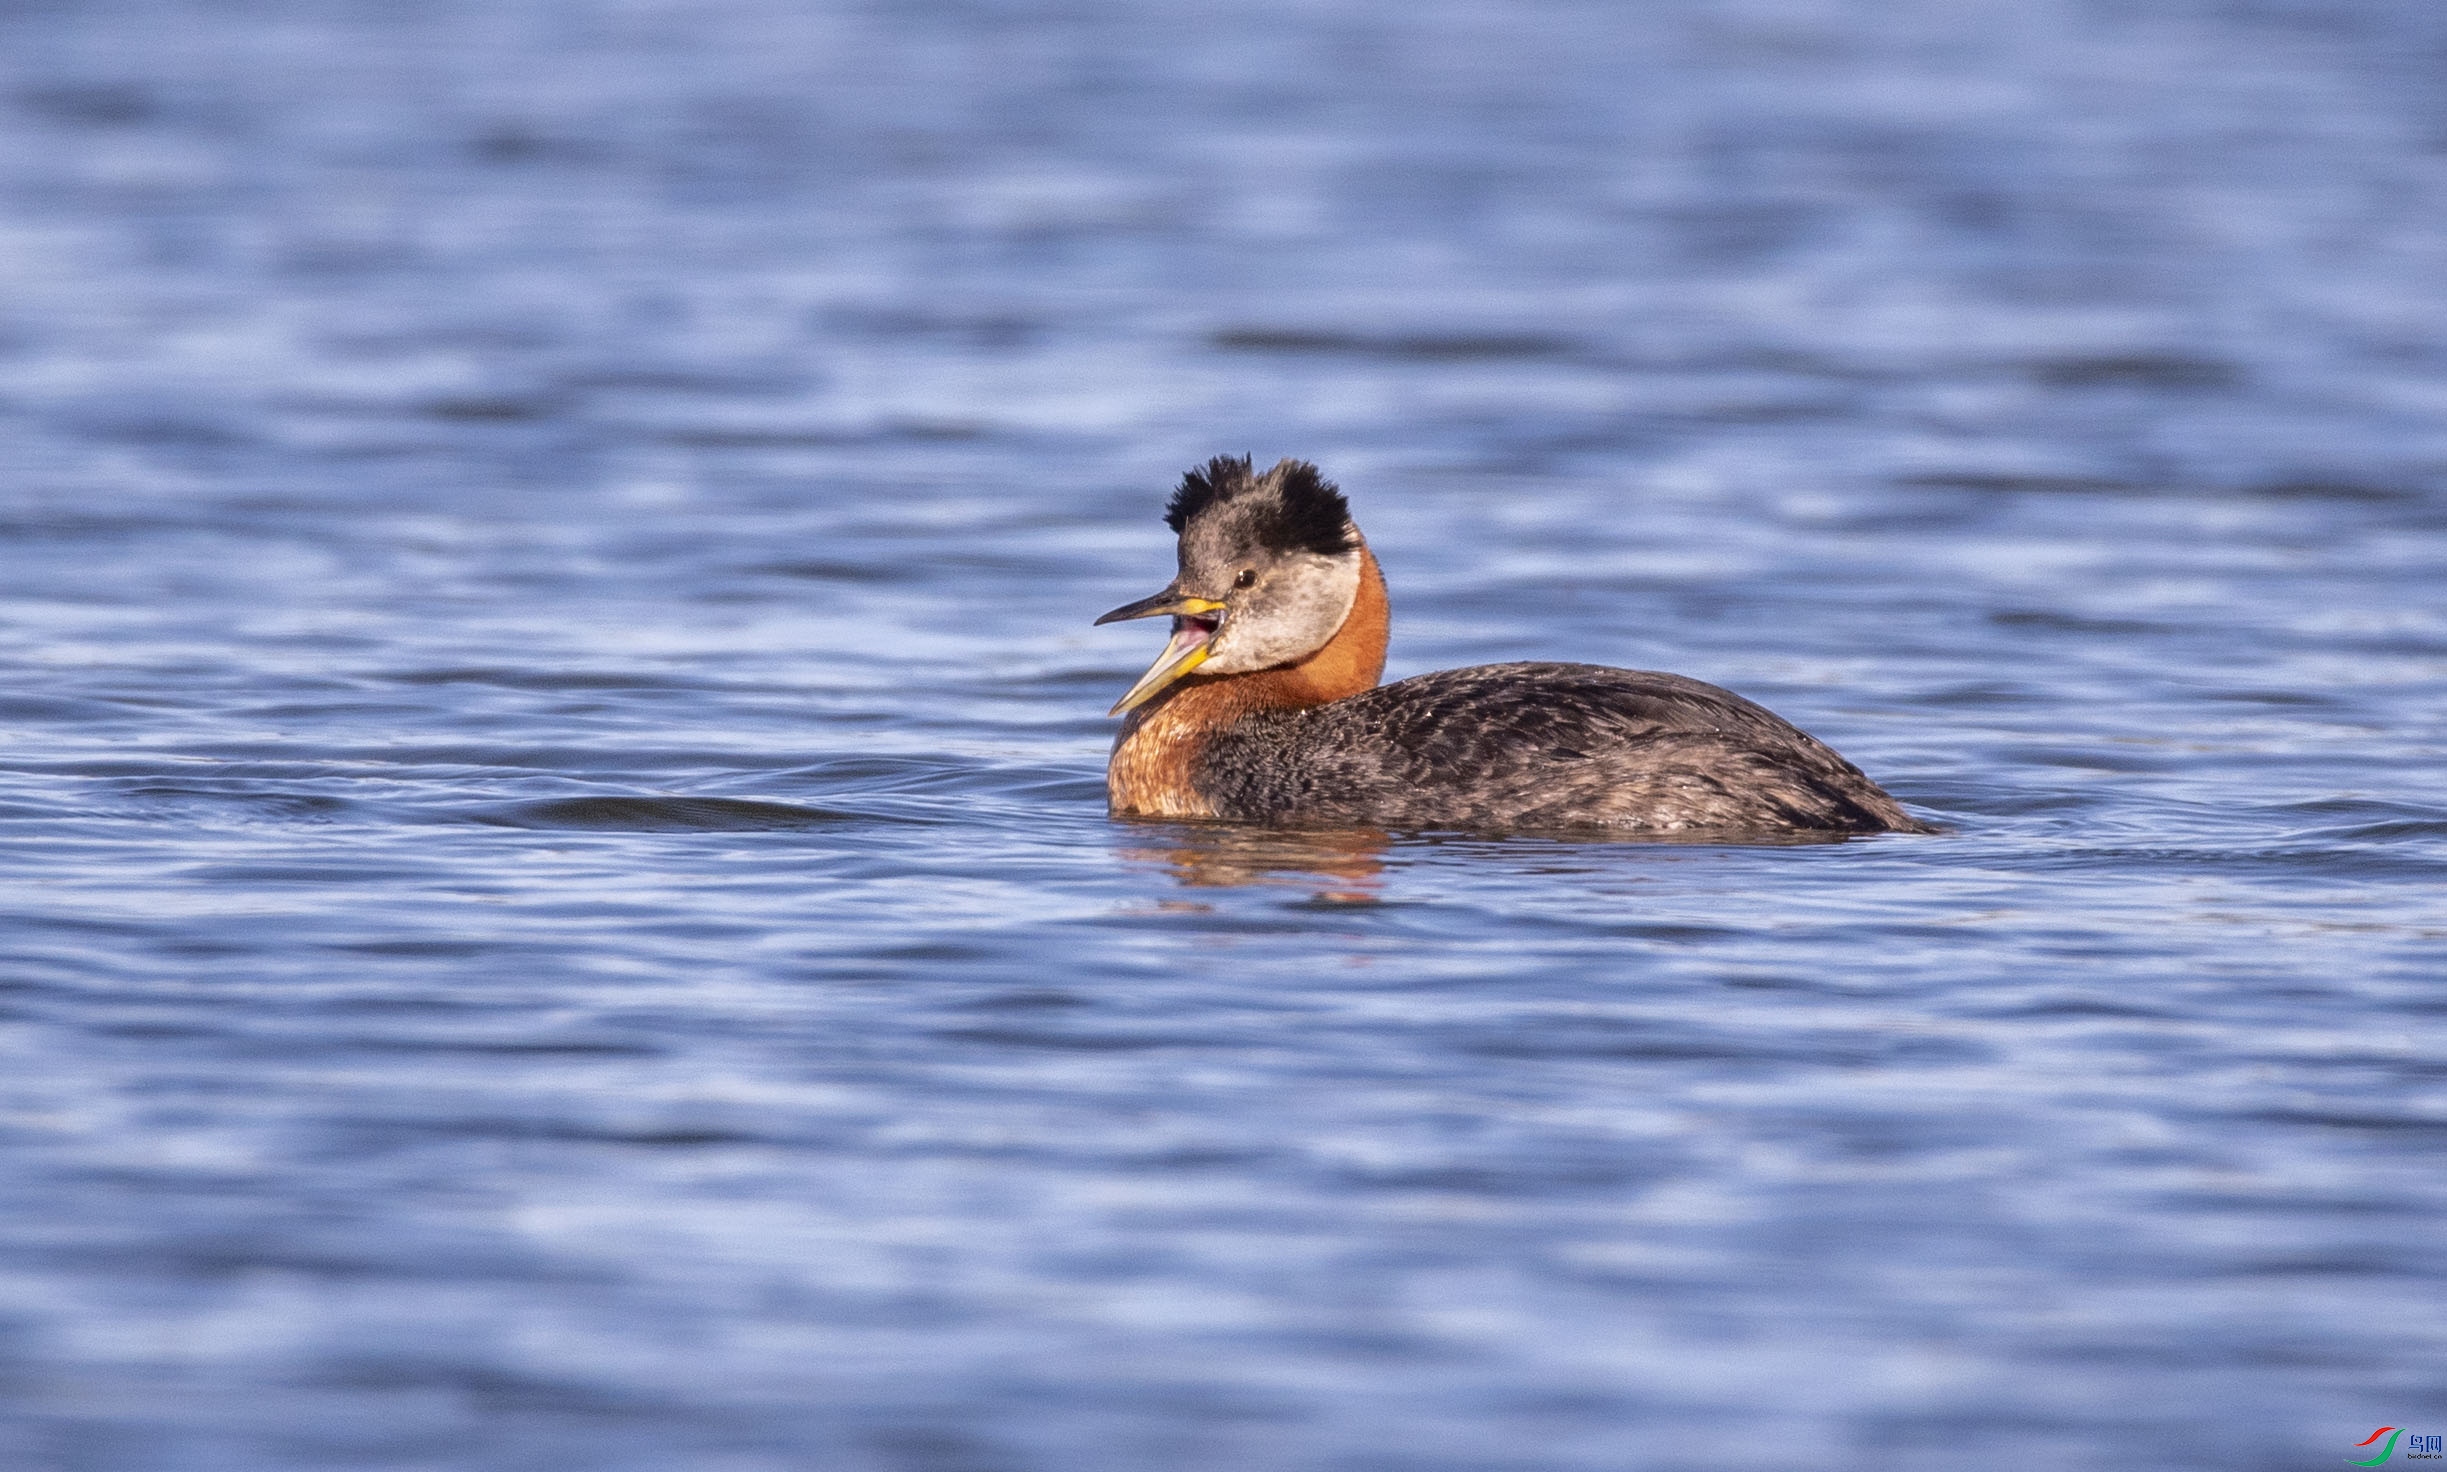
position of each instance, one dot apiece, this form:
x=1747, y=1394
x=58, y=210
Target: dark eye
x=1247, y=578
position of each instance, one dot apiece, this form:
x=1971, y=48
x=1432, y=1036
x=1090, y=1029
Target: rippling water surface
x=556, y=907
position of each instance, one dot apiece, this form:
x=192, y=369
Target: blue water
x=555, y=904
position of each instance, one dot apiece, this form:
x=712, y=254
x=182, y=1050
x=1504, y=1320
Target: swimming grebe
x=1265, y=706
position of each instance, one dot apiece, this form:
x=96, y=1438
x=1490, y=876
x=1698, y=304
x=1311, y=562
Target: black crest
x=1291, y=508
x=1220, y=478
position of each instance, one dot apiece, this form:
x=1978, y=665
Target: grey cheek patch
x=1308, y=599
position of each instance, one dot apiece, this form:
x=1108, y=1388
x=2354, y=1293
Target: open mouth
x=1196, y=621
x=1192, y=641
x=1191, y=630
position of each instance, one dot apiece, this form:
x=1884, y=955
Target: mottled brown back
x=1540, y=747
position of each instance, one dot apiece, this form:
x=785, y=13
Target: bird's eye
x=1247, y=578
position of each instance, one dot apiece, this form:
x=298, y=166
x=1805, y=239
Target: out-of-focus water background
x=556, y=910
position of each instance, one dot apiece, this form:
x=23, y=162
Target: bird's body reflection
x=1345, y=866
x=1349, y=866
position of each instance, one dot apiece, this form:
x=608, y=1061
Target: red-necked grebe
x=1265, y=706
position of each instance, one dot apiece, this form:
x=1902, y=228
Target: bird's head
x=1270, y=565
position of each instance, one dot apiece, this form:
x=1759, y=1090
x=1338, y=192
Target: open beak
x=1195, y=621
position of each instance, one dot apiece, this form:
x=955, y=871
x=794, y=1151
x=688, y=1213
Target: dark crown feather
x=1300, y=510
x=1220, y=477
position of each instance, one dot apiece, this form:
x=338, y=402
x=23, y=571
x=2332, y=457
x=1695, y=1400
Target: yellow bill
x=1192, y=641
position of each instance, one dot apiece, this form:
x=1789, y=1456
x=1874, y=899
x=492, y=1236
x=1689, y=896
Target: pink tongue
x=1188, y=634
